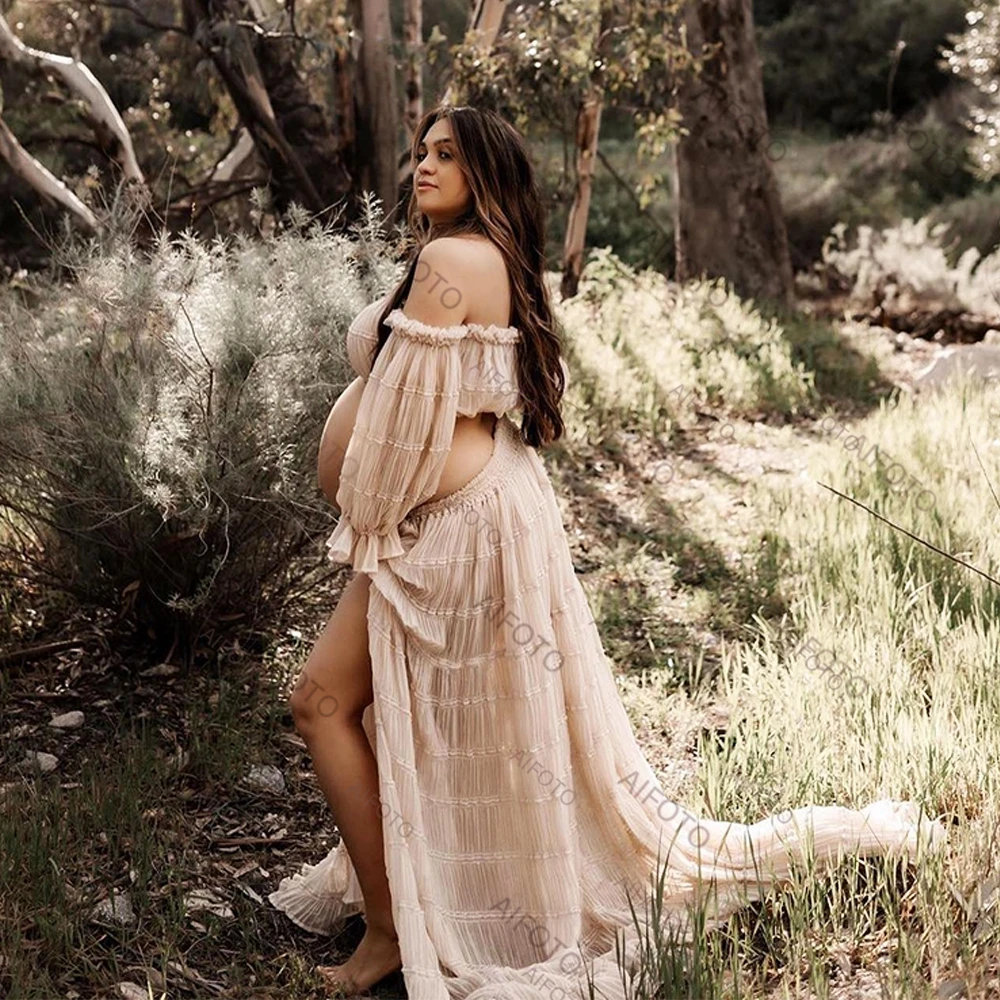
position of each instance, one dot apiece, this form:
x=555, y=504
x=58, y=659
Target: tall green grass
x=906, y=707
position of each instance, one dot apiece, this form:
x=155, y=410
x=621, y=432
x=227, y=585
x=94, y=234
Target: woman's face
x=449, y=194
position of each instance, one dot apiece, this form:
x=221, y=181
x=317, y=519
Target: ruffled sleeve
x=401, y=440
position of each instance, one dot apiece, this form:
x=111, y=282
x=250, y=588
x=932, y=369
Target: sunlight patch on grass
x=648, y=339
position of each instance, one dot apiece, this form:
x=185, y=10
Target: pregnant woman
x=498, y=820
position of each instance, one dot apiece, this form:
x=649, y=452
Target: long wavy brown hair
x=507, y=210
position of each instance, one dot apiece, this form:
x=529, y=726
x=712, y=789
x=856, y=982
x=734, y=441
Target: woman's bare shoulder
x=474, y=268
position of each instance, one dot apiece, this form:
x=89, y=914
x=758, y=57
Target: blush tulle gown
x=522, y=822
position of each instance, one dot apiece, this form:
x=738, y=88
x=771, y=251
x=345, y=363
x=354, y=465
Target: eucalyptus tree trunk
x=484, y=26
x=293, y=135
x=34, y=173
x=729, y=220
x=377, y=120
x=413, y=40
x=588, y=126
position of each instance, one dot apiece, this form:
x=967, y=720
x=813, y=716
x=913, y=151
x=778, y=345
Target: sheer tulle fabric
x=520, y=815
x=488, y=357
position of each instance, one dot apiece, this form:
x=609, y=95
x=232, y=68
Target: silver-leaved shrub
x=161, y=415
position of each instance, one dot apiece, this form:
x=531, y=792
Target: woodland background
x=846, y=86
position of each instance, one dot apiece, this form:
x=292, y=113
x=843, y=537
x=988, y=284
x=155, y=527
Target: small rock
x=266, y=778
x=117, y=909
x=131, y=991
x=950, y=989
x=68, y=720
x=976, y=361
x=46, y=762
x=207, y=899
x=155, y=979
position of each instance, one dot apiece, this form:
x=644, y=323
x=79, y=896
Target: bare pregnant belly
x=471, y=448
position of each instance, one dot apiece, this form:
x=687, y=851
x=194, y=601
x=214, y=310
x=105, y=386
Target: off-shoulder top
x=424, y=377
x=486, y=355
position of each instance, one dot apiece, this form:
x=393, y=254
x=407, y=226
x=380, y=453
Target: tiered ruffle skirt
x=521, y=820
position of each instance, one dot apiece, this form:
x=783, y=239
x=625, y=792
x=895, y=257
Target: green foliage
x=767, y=12
x=545, y=60
x=828, y=63
x=642, y=238
x=839, y=370
x=649, y=339
x=162, y=415
x=940, y=168
x=604, y=275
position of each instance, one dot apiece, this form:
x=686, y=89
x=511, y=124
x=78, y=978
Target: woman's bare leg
x=327, y=704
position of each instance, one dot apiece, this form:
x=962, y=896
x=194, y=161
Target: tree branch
x=47, y=138
x=625, y=186
x=38, y=176
x=242, y=150
x=82, y=81
x=238, y=67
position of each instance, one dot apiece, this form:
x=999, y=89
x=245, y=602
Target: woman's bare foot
x=375, y=957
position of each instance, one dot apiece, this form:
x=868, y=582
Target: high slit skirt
x=521, y=821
